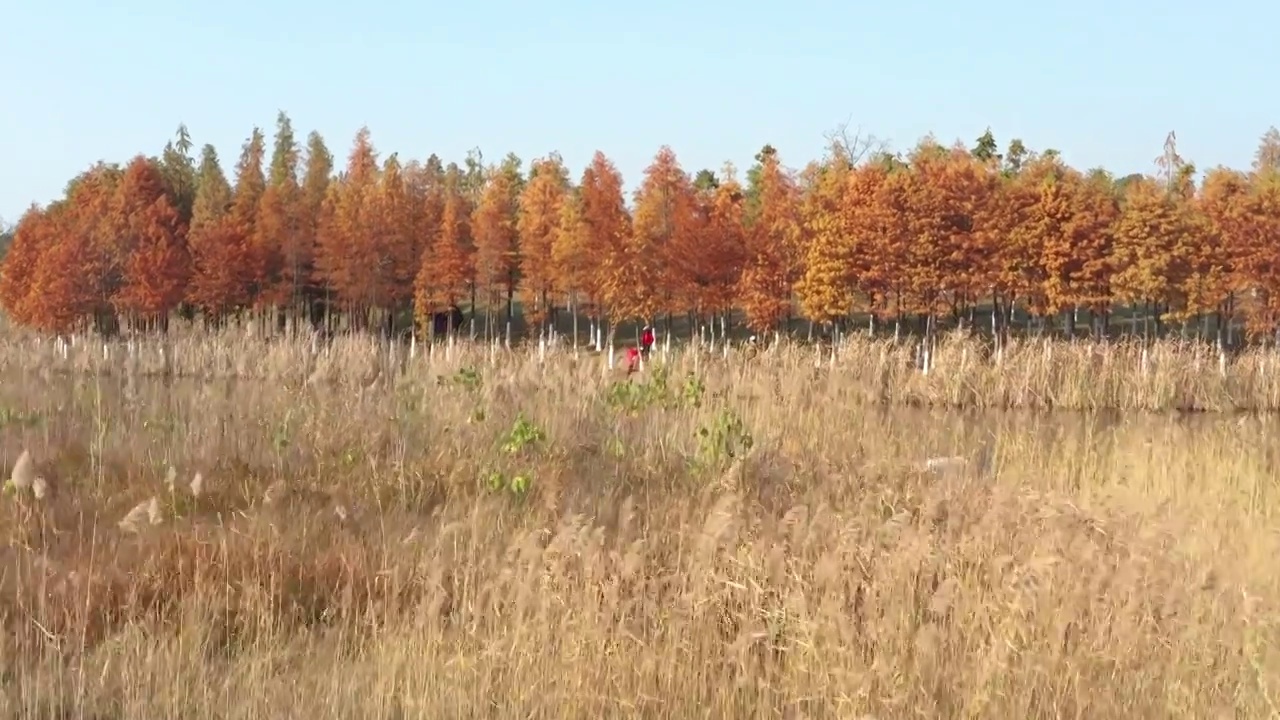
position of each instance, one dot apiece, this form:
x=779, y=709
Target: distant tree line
x=937, y=236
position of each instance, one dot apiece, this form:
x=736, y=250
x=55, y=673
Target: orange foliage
x=448, y=267
x=300, y=259
x=943, y=229
x=713, y=264
x=419, y=215
x=1258, y=255
x=764, y=289
x=221, y=261
x=224, y=265
x=393, y=248
x=663, y=241
x=828, y=283
x=278, y=235
x=572, y=261
x=1153, y=235
x=57, y=300
x=250, y=186
x=151, y=246
x=356, y=247
x=159, y=267
x=1226, y=201
x=538, y=225
x=873, y=200
x=607, y=228
x=36, y=233
x=1077, y=257
x=274, y=227
x=946, y=198
x=1020, y=221
x=497, y=239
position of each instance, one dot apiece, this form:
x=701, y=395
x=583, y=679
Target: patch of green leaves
x=692, y=391
x=724, y=438
x=515, y=480
x=282, y=434
x=517, y=486
x=655, y=390
x=468, y=378
x=10, y=417
x=523, y=434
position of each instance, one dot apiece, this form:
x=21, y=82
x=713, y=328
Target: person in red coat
x=646, y=340
x=633, y=360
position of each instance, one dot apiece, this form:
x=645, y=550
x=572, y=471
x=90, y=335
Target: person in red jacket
x=646, y=340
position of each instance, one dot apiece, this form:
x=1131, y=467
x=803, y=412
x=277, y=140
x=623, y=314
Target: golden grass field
x=491, y=535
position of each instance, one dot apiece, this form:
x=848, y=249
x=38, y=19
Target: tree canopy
x=935, y=231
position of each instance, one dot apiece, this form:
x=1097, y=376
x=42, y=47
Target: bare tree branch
x=851, y=145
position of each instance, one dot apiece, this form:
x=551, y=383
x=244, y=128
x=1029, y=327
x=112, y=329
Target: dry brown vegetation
x=749, y=538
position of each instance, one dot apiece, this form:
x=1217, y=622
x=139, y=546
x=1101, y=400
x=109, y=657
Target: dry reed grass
x=743, y=539
x=962, y=373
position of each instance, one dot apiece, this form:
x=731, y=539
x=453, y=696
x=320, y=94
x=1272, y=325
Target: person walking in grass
x=633, y=360
x=637, y=354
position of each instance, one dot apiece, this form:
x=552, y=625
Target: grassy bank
x=470, y=537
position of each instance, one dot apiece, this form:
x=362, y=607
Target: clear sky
x=1103, y=82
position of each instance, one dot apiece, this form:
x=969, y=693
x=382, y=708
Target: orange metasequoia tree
x=350, y=249
x=713, y=267
x=1036, y=207
x=497, y=241
x=35, y=237
x=300, y=259
x=949, y=262
x=572, y=264
x=1265, y=268
x=1149, y=236
x=877, y=241
x=246, y=198
x=448, y=266
x=423, y=204
x=393, y=249
x=278, y=234
x=1093, y=227
x=219, y=259
x=1225, y=200
x=1258, y=255
x=69, y=280
x=151, y=241
x=538, y=225
x=92, y=219
x=1157, y=265
x=764, y=289
x=607, y=227
x=663, y=241
x=60, y=300
x=827, y=284
x=1072, y=220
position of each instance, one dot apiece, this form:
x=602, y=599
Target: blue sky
x=1102, y=82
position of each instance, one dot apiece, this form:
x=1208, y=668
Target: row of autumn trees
x=930, y=235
